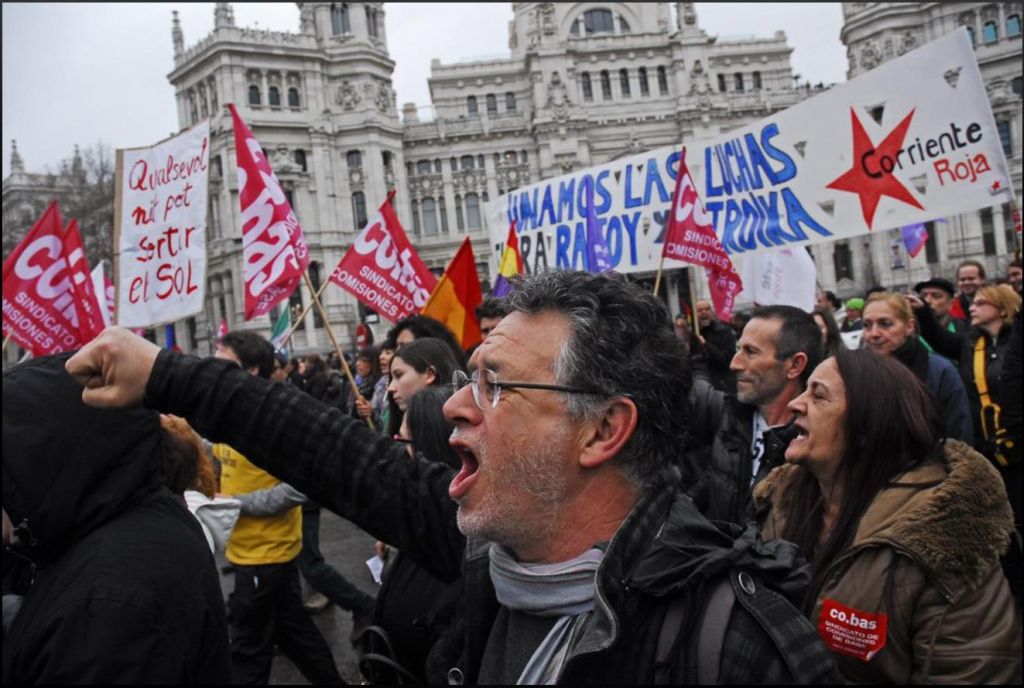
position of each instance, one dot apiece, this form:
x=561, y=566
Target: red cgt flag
x=383, y=270
x=690, y=238
x=456, y=296
x=39, y=309
x=90, y=318
x=274, y=254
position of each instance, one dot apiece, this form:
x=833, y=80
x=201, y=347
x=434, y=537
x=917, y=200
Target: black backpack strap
x=712, y=631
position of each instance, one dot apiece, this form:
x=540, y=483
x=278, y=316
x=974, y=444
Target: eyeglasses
x=487, y=387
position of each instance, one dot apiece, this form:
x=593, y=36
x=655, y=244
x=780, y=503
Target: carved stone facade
x=875, y=32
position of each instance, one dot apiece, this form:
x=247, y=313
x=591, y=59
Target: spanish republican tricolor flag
x=511, y=263
x=456, y=297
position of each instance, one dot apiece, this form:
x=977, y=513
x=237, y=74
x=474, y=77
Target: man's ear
x=608, y=434
x=795, y=368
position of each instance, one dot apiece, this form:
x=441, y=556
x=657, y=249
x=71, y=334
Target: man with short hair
x=564, y=523
x=829, y=301
x=778, y=349
x=712, y=348
x=265, y=608
x=489, y=313
x=970, y=276
x=1014, y=275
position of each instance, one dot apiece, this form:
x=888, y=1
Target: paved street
x=346, y=548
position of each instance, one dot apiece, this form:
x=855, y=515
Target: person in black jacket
x=126, y=589
x=564, y=525
x=713, y=349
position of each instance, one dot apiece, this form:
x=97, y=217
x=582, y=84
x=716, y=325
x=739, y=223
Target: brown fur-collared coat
x=919, y=596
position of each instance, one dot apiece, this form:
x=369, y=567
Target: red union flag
x=38, y=300
x=90, y=318
x=690, y=237
x=274, y=254
x=383, y=270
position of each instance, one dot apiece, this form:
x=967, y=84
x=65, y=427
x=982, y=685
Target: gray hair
x=621, y=344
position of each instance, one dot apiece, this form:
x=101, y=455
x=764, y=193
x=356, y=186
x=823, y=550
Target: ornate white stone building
x=585, y=83
x=874, y=32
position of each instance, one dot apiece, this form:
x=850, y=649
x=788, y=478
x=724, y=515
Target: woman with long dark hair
x=416, y=365
x=903, y=530
x=414, y=609
x=830, y=338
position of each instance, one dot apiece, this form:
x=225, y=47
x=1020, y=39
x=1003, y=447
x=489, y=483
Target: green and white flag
x=278, y=336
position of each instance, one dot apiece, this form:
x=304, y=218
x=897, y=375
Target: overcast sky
x=82, y=73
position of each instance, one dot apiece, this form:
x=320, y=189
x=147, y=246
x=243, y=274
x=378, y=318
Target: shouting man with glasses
x=581, y=562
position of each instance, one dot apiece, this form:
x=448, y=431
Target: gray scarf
x=565, y=590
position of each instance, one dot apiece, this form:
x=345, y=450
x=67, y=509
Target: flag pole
x=693, y=298
x=657, y=280
x=330, y=333
x=298, y=321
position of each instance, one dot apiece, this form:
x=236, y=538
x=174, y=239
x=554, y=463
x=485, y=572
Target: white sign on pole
x=781, y=277
x=161, y=229
x=907, y=142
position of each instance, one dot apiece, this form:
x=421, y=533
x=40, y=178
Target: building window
x=510, y=102
x=339, y=19
x=492, y=105
x=437, y=165
x=662, y=81
x=473, y=210
x=738, y=79
x=624, y=82
x=454, y=164
x=988, y=232
x=623, y=25
x=1013, y=25
x=471, y=106
x=970, y=35
x=254, y=95
x=989, y=32
x=480, y=161
x=300, y=159
x=843, y=261
x=371, y=22
x=1016, y=86
x=443, y=209
x=757, y=81
x=274, y=96
x=1008, y=228
x=290, y=197
x=429, y=216
x=423, y=167
x=467, y=162
x=293, y=97
x=359, y=209
x=598, y=21
x=645, y=88
x=522, y=157
x=1005, y=136
x=354, y=158
x=931, y=246
x=416, y=217
x=606, y=85
x=588, y=89
x=721, y=83
x=460, y=222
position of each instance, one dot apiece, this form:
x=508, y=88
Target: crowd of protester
x=595, y=493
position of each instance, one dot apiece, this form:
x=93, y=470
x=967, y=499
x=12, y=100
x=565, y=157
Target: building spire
x=223, y=15
x=16, y=164
x=177, y=36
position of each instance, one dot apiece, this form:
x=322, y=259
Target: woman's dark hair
x=833, y=342
x=423, y=327
x=891, y=425
x=423, y=355
x=428, y=428
x=371, y=355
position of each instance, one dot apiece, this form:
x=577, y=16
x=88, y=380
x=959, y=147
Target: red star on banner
x=996, y=185
x=867, y=178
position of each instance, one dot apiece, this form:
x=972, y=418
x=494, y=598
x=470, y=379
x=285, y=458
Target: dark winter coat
x=126, y=589
x=664, y=548
x=722, y=438
x=712, y=358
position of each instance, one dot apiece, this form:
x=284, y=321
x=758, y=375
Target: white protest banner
x=907, y=142
x=160, y=229
x=781, y=277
